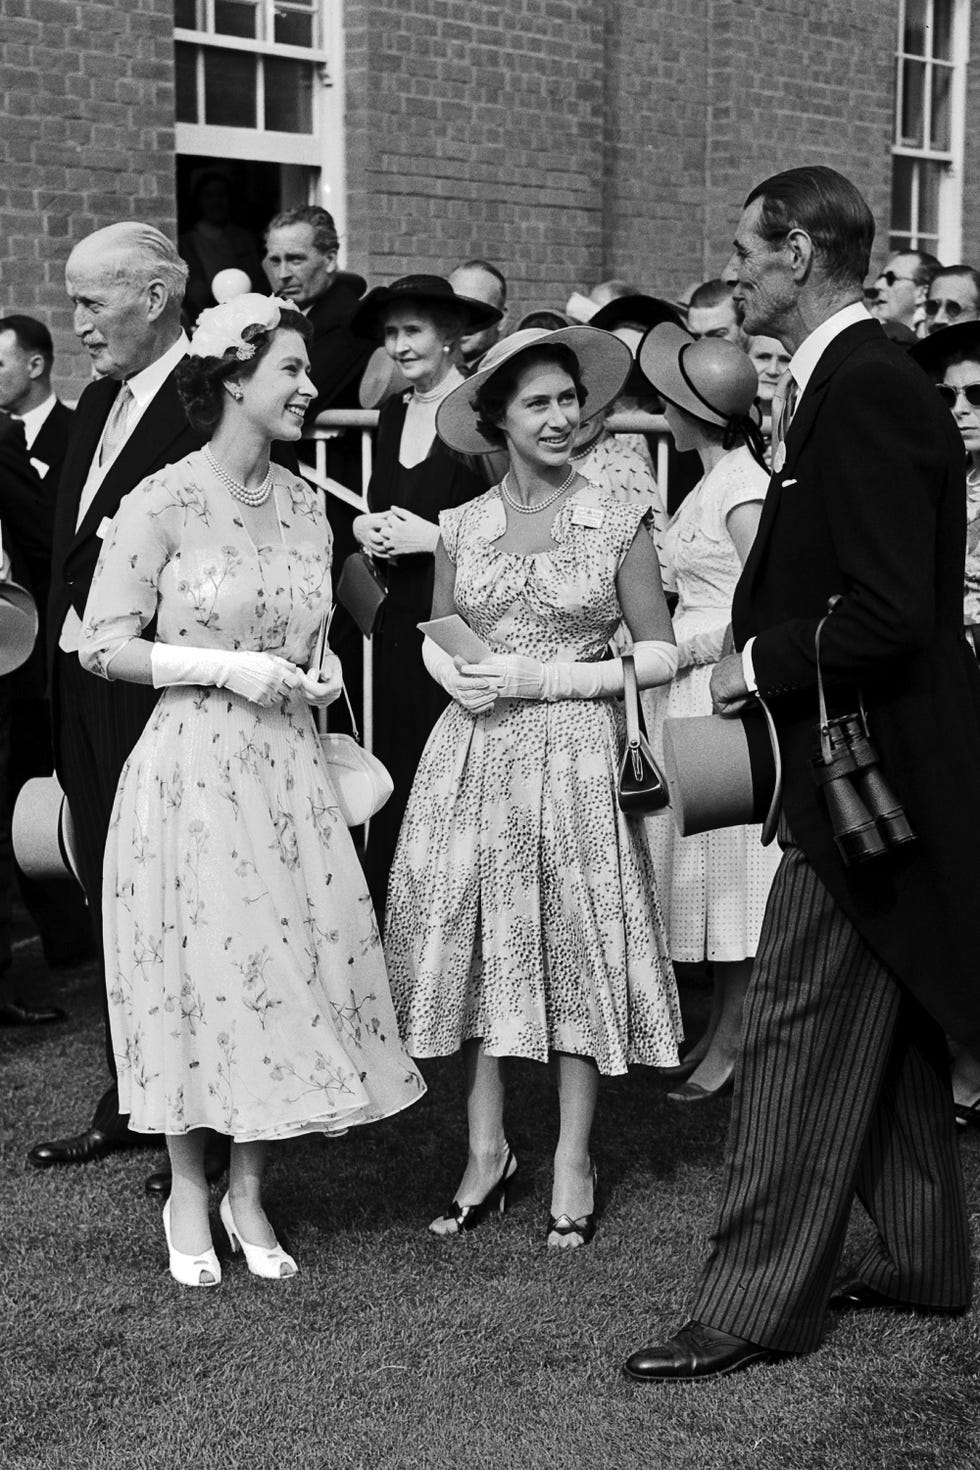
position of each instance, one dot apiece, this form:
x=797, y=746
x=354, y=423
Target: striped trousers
x=843, y=1090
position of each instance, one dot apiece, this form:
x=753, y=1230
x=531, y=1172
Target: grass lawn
x=395, y=1350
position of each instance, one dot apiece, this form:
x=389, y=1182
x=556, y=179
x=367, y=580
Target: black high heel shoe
x=583, y=1225
x=468, y=1217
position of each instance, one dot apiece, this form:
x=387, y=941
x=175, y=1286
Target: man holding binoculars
x=868, y=950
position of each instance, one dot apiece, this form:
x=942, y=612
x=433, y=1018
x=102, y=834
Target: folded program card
x=456, y=638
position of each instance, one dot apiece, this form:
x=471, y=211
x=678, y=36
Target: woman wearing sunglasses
x=952, y=358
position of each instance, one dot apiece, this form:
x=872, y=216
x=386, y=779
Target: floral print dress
x=246, y=982
x=523, y=905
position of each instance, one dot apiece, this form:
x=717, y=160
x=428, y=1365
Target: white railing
x=335, y=420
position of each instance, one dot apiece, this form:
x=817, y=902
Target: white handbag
x=361, y=783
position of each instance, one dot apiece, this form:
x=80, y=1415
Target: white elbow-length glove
x=263, y=678
x=703, y=648
x=476, y=695
x=655, y=662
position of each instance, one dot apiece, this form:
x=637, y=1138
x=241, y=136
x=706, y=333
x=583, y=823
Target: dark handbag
x=642, y=787
x=362, y=590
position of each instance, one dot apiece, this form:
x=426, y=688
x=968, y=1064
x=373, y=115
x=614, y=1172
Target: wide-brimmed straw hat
x=724, y=772
x=368, y=319
x=604, y=363
x=934, y=352
x=712, y=379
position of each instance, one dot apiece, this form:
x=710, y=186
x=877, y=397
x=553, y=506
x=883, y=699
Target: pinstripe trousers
x=843, y=1089
x=97, y=724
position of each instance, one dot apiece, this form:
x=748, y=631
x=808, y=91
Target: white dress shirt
x=802, y=365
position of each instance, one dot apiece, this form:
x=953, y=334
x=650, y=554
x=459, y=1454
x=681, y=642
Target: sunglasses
x=953, y=308
x=889, y=278
x=971, y=392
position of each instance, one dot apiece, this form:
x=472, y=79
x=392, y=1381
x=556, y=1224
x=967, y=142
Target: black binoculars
x=866, y=817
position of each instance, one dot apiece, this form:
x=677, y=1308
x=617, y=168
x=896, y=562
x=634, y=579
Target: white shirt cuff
x=748, y=668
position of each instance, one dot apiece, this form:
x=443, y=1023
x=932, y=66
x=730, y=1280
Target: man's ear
x=800, y=247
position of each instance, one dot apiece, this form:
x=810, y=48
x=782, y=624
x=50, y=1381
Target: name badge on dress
x=588, y=515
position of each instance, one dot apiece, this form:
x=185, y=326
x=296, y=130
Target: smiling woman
x=238, y=930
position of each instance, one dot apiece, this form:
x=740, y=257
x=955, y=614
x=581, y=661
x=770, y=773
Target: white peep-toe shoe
x=188, y=1270
x=262, y=1260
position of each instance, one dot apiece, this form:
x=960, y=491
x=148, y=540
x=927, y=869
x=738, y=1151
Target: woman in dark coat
x=420, y=319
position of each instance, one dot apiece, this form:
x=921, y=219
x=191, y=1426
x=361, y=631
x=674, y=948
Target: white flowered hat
x=220, y=328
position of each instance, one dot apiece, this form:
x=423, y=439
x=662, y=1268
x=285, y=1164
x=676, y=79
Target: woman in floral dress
x=523, y=917
x=247, y=987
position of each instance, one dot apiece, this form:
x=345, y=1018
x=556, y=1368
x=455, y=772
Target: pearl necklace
x=532, y=510
x=241, y=492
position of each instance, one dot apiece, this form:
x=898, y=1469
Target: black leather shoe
x=82, y=1149
x=855, y=1295
x=696, y=1351
x=15, y=1013
x=157, y=1185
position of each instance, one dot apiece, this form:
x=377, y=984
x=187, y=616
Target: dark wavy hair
x=200, y=380
x=492, y=397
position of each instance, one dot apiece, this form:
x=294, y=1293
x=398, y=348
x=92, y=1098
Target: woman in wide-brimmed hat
x=420, y=320
x=522, y=917
x=714, y=884
x=951, y=357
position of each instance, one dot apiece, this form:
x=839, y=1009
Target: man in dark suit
x=35, y=446
x=126, y=283
x=843, y=1084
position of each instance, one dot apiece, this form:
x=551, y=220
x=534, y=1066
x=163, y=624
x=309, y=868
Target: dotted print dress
x=523, y=905
x=246, y=980
x=714, y=885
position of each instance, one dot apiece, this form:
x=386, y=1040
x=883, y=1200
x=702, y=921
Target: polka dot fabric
x=523, y=906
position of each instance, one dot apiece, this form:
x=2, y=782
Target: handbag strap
x=319, y=653
x=631, y=700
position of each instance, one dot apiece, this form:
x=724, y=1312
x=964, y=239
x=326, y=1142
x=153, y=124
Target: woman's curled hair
x=492, y=397
x=200, y=380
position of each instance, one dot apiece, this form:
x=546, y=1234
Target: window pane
x=186, y=83
x=288, y=96
x=913, y=97
x=229, y=89
x=942, y=78
x=930, y=175
x=293, y=27
x=915, y=27
x=901, y=220
x=185, y=15
x=234, y=17
x=942, y=34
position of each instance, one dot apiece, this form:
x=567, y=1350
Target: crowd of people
x=266, y=975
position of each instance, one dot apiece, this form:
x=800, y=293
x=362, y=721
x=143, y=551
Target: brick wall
x=971, y=162
x=86, y=137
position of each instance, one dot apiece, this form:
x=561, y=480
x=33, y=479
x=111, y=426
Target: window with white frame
x=261, y=80
x=927, y=151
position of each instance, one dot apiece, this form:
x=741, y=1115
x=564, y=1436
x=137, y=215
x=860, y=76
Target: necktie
x=114, y=434
x=783, y=408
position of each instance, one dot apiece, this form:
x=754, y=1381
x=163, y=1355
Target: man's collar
x=812, y=348
x=147, y=383
x=34, y=419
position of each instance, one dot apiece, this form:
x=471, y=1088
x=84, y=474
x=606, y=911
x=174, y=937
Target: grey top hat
x=724, y=771
x=604, y=363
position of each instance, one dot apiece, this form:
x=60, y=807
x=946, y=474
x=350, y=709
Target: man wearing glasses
x=953, y=296
x=902, y=286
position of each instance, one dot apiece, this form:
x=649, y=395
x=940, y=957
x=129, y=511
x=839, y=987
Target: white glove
x=322, y=686
x=476, y=695
x=263, y=678
x=703, y=648
x=524, y=678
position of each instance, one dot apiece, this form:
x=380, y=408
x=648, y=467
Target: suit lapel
x=87, y=425
x=162, y=423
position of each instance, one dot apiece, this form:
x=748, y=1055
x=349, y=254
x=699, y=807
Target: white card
x=456, y=638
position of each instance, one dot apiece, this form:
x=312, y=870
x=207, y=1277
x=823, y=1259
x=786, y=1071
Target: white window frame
x=321, y=151
x=948, y=244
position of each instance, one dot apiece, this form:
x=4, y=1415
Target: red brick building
x=566, y=141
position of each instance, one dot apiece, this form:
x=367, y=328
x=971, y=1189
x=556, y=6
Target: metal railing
x=335, y=421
